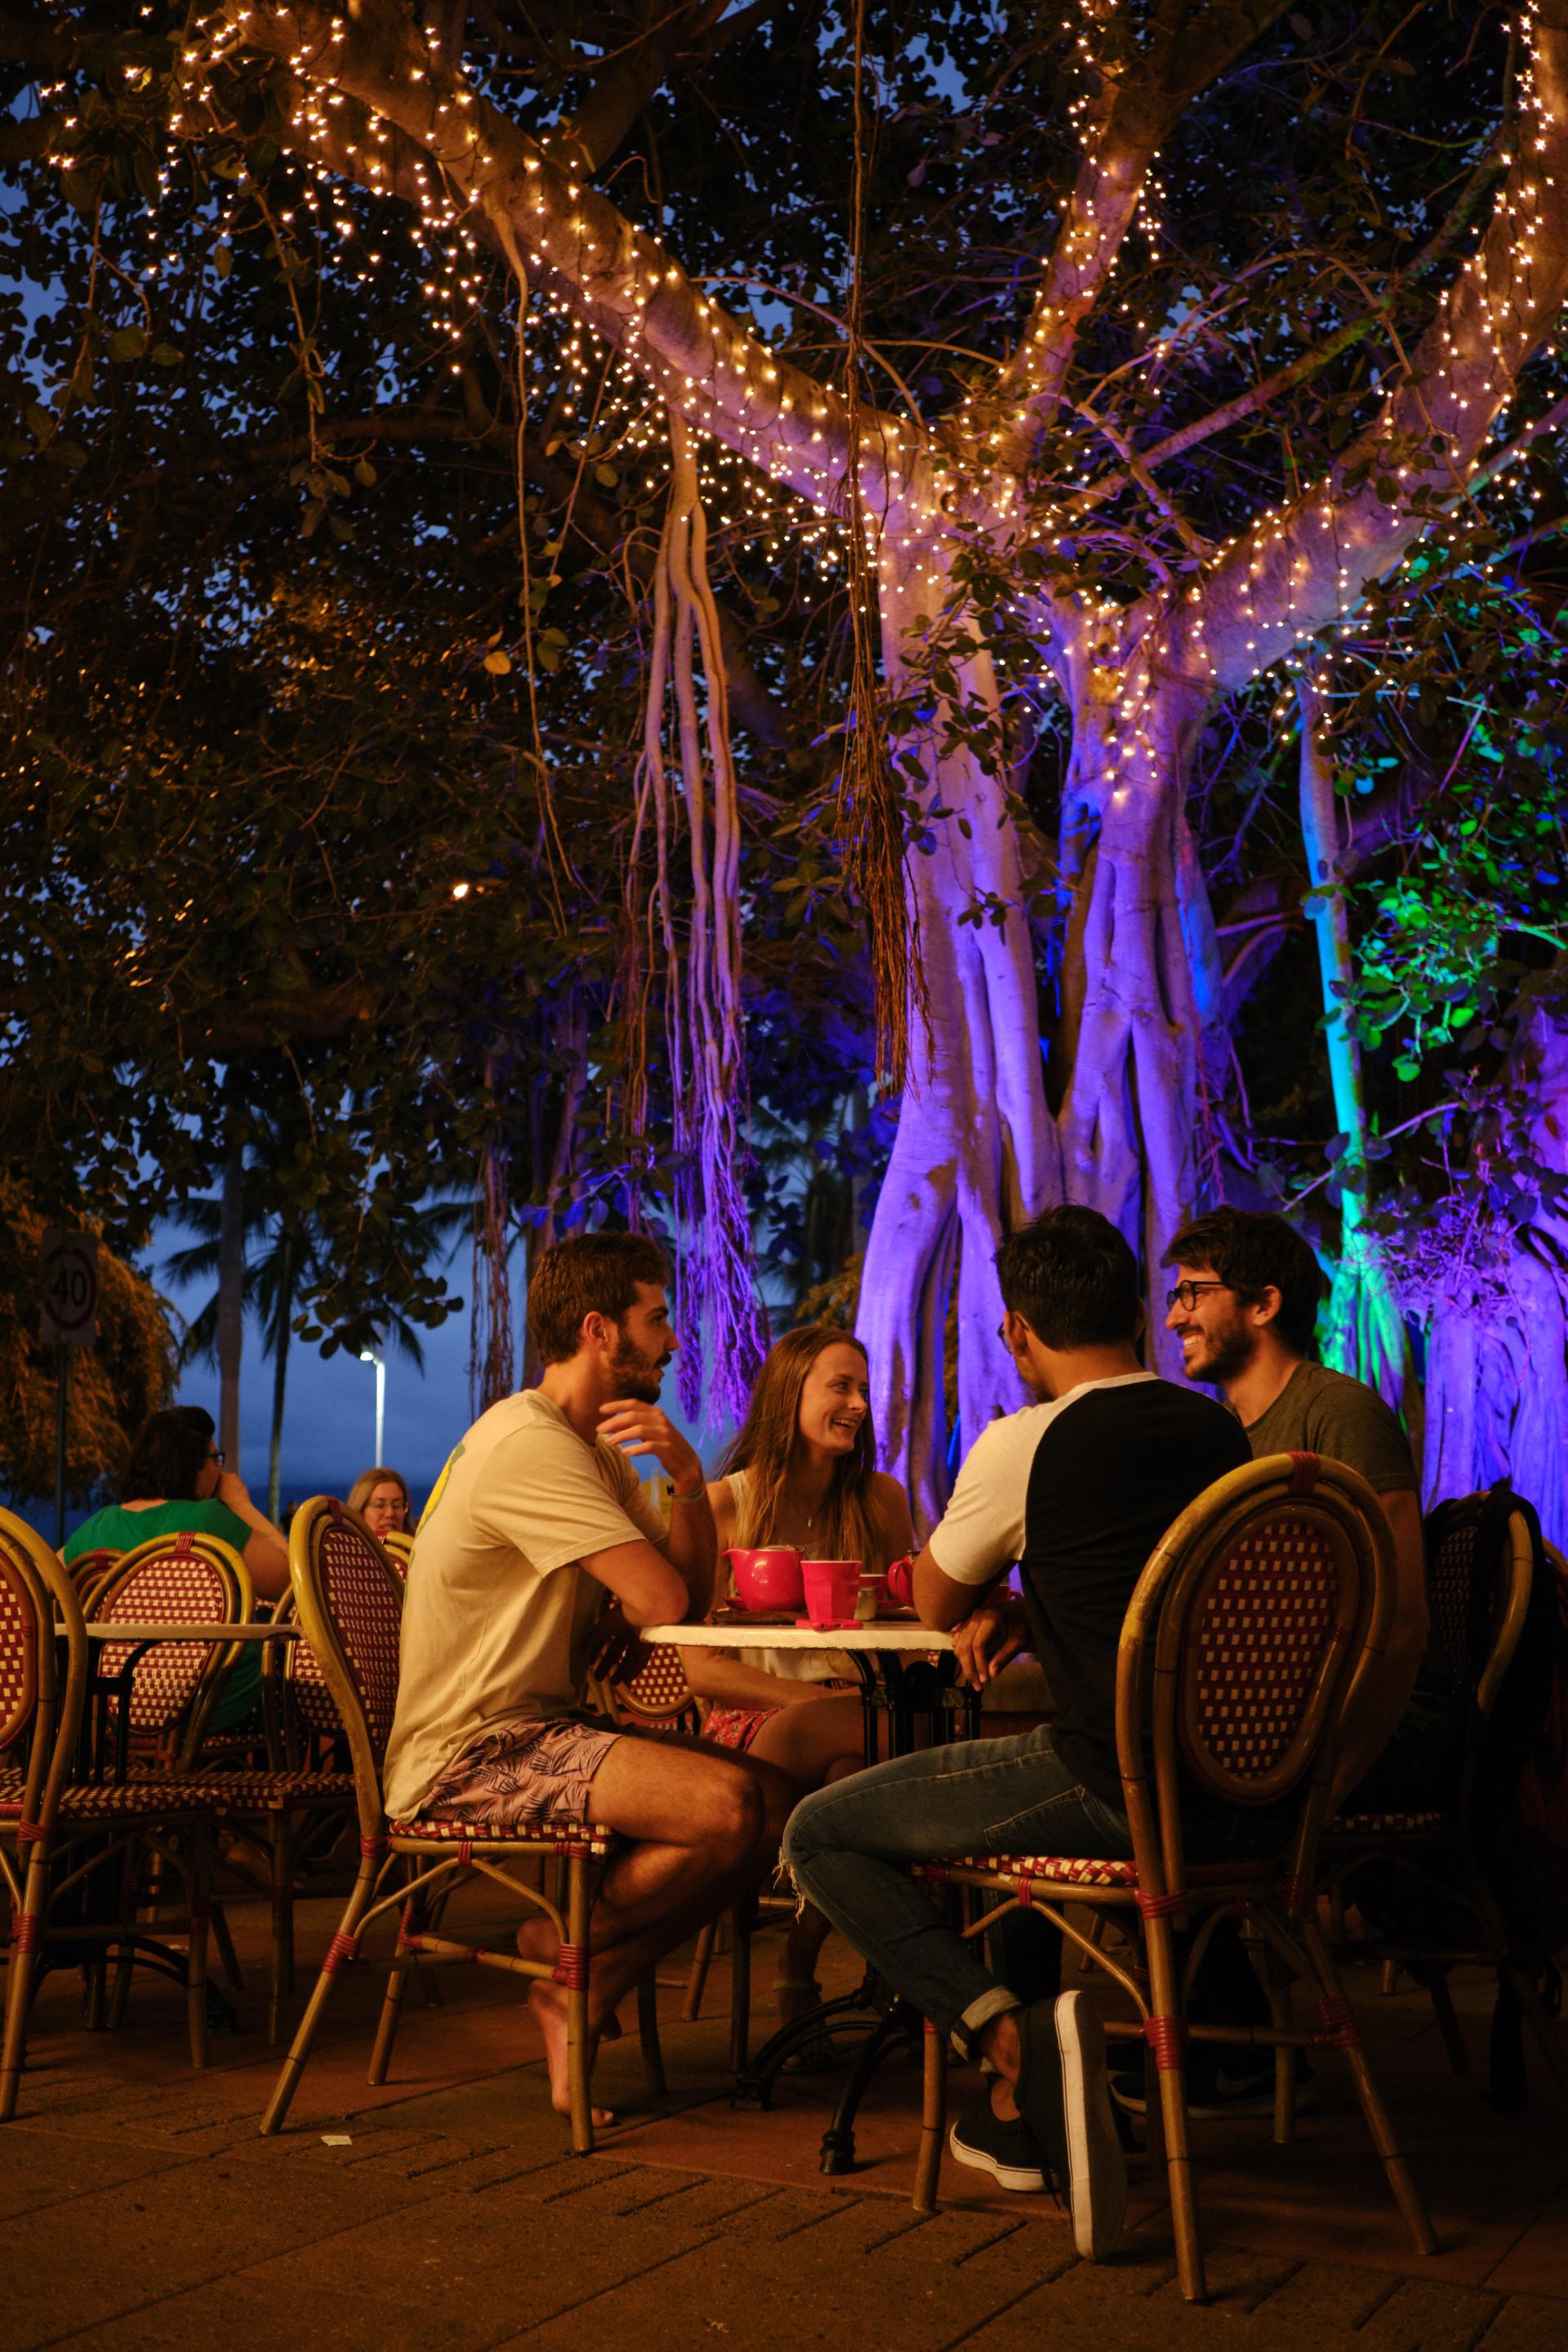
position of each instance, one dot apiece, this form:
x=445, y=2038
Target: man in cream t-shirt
x=538, y=1555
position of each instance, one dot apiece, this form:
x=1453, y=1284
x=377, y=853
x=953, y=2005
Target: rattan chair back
x=1479, y=1572
x=398, y=1546
x=172, y=1579
x=38, y=1708
x=350, y=1603
x=659, y=1692
x=86, y=1569
x=1244, y=1648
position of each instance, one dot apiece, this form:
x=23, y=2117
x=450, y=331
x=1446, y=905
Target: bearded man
x=538, y=1557
x=1244, y=1305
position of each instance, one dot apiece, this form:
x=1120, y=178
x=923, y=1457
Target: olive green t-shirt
x=1319, y=1412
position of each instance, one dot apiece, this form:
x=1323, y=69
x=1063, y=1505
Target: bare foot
x=547, y=2006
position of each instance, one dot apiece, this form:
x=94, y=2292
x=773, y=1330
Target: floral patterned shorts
x=528, y=1771
x=736, y=1726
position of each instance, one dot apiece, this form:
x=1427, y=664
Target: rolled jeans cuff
x=996, y=2002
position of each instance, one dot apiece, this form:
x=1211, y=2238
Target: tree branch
x=622, y=283
x=1297, y=570
x=1126, y=129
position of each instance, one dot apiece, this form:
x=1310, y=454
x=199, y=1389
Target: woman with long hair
x=801, y=1473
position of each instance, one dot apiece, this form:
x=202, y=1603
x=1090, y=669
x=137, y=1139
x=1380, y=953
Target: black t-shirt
x=1111, y=1471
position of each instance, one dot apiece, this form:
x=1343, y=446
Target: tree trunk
x=230, y=1300
x=1366, y=1332
x=286, y=1265
x=976, y=1151
x=1497, y=1356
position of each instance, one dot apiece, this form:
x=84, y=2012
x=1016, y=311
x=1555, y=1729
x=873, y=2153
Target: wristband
x=675, y=1496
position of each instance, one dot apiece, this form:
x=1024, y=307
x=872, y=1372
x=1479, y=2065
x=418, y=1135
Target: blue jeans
x=850, y=1846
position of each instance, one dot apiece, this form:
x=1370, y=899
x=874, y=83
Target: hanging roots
x=491, y=1362
x=703, y=1026
x=870, y=817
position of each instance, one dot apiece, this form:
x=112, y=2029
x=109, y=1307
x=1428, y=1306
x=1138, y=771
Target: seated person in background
x=800, y=1473
x=538, y=1553
x=175, y=1483
x=1080, y=1488
x=380, y=1498
x=1244, y=1306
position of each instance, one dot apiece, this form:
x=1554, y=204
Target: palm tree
x=283, y=1261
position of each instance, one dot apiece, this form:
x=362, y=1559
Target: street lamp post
x=374, y=1356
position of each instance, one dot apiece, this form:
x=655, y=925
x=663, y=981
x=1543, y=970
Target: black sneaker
x=1097, y=2167
x=1242, y=2086
x=1005, y=2150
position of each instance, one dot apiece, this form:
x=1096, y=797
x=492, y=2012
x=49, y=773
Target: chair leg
x=228, y=1956
x=201, y=1877
x=281, y=1889
x=702, y=1960
x=117, y=1996
x=1388, y=1982
x=1448, y=2025
x=647, y=2034
x=741, y=1987
x=933, y=2120
x=337, y=1956
x=1173, y=2102
x=579, y=2058
x=1408, y=2197
x=25, y=1933
x=1527, y=1993
x=411, y=1922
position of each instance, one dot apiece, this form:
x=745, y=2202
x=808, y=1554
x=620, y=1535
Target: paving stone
x=502, y=2254
x=1528, y=2323
x=71, y=2265
x=708, y=2203
x=867, y=2275
x=1234, y=2280
x=42, y=2168
x=1421, y=2317
x=1331, y=2300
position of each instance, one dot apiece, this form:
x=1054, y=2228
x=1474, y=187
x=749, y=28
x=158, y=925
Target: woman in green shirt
x=175, y=1483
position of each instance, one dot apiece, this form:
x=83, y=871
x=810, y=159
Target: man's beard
x=1227, y=1354
x=636, y=1375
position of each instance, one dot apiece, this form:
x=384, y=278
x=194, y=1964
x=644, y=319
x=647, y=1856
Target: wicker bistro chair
x=292, y=1809
x=351, y=1604
x=1480, y=1577
x=176, y=1685
x=1244, y=1649
x=398, y=1546
x=57, y=1834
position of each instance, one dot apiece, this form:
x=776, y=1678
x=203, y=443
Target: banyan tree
x=1264, y=348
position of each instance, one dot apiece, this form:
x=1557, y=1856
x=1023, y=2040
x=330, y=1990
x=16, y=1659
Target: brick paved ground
x=139, y=2209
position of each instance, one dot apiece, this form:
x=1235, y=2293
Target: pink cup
x=767, y=1580
x=831, y=1588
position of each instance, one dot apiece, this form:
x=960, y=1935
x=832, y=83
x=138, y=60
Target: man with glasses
x=1244, y=1306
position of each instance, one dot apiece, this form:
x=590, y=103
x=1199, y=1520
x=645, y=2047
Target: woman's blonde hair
x=764, y=1447
x=365, y=1484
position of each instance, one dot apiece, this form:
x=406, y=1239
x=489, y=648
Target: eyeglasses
x=1185, y=1294
x=215, y=1453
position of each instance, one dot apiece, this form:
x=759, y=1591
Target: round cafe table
x=907, y=1674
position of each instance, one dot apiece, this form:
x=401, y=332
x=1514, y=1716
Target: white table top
x=132, y=1629
x=760, y=1634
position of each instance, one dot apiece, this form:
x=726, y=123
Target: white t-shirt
x=982, y=1530
x=497, y=1612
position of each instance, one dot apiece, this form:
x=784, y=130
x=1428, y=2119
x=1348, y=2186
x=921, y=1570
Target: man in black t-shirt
x=1079, y=1488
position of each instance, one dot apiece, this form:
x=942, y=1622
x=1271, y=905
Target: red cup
x=831, y=1587
x=767, y=1580
x=901, y=1582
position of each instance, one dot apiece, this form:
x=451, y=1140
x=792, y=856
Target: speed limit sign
x=71, y=1287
